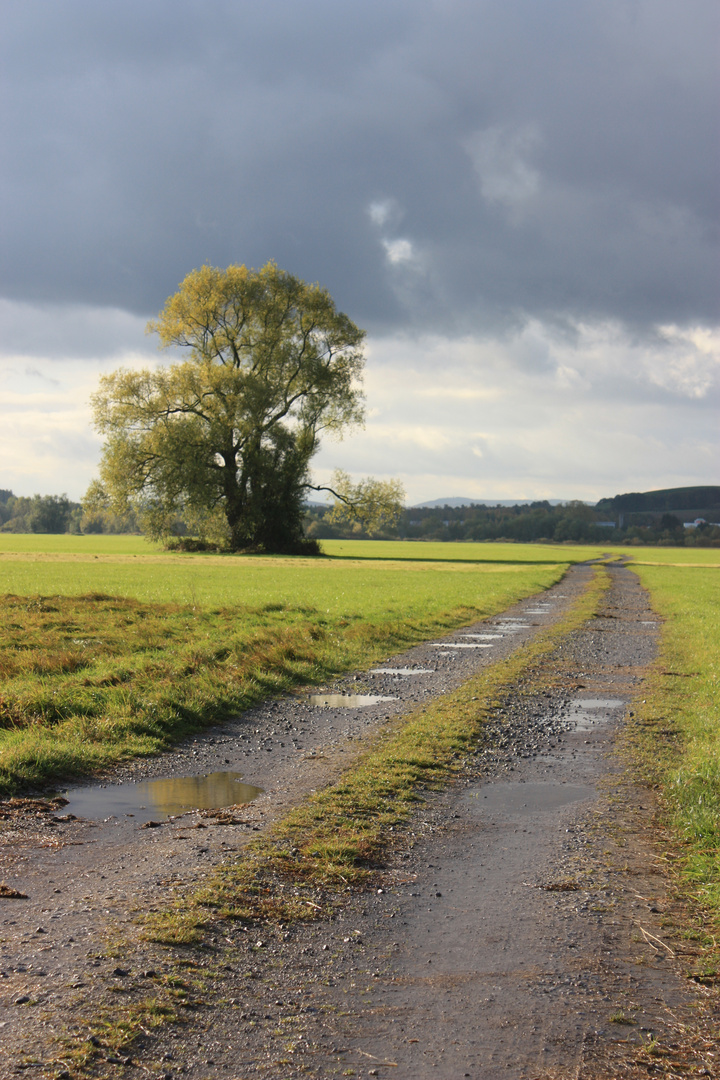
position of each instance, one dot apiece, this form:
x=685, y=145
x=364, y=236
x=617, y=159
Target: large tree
x=223, y=440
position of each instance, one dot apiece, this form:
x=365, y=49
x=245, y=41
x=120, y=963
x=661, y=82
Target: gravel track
x=519, y=929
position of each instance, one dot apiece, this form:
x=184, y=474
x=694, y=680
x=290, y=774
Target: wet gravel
x=502, y=938
x=85, y=878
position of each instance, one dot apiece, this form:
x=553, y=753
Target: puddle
x=402, y=671
x=347, y=701
x=528, y=798
x=153, y=800
x=538, y=611
x=598, y=703
x=483, y=637
x=459, y=645
x=581, y=718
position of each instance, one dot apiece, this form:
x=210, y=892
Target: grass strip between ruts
x=676, y=734
x=333, y=839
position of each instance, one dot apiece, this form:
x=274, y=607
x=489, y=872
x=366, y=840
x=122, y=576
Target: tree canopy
x=222, y=440
x=370, y=505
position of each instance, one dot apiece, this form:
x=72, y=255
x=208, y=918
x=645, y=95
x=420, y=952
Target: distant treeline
x=57, y=514
x=667, y=500
x=641, y=518
x=539, y=521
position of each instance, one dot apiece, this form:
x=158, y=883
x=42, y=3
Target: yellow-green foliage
x=684, y=696
x=88, y=680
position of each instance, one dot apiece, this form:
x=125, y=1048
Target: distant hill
x=456, y=502
x=691, y=502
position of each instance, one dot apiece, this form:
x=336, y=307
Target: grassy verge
x=88, y=681
x=334, y=839
x=677, y=733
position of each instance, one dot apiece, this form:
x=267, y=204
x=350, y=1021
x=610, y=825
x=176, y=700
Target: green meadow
x=111, y=648
x=679, y=723
x=354, y=577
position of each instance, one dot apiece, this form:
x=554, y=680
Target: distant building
x=605, y=524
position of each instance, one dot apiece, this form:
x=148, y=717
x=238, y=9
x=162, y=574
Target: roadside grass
x=88, y=681
x=677, y=730
x=335, y=839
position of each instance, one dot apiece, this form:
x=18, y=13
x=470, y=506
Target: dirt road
x=519, y=931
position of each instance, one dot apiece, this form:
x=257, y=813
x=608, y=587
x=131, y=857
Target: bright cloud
x=475, y=417
x=399, y=251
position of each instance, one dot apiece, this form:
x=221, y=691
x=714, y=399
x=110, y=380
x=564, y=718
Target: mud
x=522, y=927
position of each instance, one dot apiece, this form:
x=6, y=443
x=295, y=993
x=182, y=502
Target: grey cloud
x=551, y=160
x=69, y=331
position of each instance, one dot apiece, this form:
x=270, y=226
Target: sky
x=518, y=200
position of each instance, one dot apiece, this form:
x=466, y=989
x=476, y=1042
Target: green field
x=112, y=648
x=669, y=556
x=356, y=577
x=680, y=719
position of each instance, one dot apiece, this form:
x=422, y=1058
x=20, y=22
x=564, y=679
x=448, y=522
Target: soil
x=524, y=925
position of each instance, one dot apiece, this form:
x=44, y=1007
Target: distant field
x=668, y=556
x=357, y=576
x=67, y=544
x=70, y=544
x=111, y=648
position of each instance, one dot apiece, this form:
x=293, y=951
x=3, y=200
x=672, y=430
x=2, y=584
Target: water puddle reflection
x=402, y=671
x=483, y=637
x=531, y=798
x=581, y=712
x=459, y=645
x=157, y=800
x=347, y=701
x=598, y=703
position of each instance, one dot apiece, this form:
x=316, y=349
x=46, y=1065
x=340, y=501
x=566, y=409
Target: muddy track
x=504, y=940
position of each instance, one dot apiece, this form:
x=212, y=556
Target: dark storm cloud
x=553, y=159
